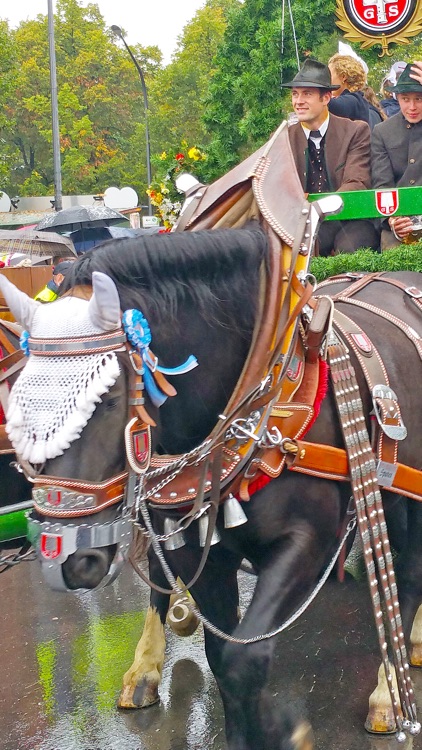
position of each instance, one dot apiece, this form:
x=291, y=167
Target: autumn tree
x=101, y=113
x=9, y=156
x=178, y=91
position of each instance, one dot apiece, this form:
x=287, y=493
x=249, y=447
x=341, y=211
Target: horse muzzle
x=55, y=542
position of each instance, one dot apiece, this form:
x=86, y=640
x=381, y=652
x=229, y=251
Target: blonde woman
x=348, y=100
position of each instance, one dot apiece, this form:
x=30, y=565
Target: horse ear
x=104, y=305
x=22, y=307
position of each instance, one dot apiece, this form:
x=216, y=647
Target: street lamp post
x=118, y=31
x=54, y=111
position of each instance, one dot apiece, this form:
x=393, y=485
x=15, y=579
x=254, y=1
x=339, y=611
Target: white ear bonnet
x=54, y=397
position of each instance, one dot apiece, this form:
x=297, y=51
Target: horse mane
x=211, y=269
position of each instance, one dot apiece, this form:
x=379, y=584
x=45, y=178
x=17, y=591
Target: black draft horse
x=199, y=293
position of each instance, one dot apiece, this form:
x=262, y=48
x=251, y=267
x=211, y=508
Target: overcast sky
x=147, y=21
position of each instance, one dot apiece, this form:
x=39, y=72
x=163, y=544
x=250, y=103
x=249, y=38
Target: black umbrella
x=80, y=217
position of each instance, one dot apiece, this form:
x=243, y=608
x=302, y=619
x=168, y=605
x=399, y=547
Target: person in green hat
x=332, y=154
x=396, y=153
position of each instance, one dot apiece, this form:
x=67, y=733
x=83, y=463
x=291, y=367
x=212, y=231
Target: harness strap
x=103, y=494
x=212, y=519
x=362, y=280
x=373, y=529
x=328, y=462
x=375, y=374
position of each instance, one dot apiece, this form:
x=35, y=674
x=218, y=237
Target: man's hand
x=416, y=73
x=400, y=226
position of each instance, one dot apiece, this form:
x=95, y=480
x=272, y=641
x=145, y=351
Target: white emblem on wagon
x=387, y=201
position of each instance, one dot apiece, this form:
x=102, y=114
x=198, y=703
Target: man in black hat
x=332, y=154
x=397, y=152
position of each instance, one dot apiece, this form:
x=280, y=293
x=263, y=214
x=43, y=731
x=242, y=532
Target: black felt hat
x=405, y=84
x=312, y=75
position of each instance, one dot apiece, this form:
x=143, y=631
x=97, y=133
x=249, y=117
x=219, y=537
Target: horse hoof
x=303, y=737
x=140, y=696
x=380, y=722
x=415, y=655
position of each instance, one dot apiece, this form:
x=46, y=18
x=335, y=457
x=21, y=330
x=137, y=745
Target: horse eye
x=111, y=403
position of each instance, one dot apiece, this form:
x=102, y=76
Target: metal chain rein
x=209, y=625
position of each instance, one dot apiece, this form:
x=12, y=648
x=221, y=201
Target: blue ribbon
x=139, y=335
x=23, y=343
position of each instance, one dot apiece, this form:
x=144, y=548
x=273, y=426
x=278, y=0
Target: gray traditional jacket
x=347, y=153
x=396, y=153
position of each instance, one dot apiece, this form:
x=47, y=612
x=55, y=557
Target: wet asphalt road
x=63, y=656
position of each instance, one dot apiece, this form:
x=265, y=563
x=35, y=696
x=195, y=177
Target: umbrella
x=32, y=243
x=78, y=217
x=86, y=239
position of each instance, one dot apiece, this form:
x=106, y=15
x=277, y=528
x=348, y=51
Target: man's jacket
x=347, y=154
x=396, y=153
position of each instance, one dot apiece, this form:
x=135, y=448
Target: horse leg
x=252, y=721
x=142, y=679
x=380, y=719
x=416, y=640
x=409, y=582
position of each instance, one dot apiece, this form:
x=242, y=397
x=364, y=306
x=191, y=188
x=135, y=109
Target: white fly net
x=54, y=397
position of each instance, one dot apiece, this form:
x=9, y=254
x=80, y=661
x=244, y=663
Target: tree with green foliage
x=101, y=111
x=245, y=101
x=178, y=91
x=9, y=156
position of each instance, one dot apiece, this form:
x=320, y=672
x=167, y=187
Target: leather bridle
x=56, y=499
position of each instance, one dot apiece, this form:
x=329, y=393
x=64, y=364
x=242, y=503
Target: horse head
x=72, y=394
x=77, y=418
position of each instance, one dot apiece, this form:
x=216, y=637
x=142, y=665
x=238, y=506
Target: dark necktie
x=315, y=134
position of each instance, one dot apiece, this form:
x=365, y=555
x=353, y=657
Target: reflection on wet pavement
x=63, y=657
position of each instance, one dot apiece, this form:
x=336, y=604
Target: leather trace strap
x=385, y=404
x=373, y=531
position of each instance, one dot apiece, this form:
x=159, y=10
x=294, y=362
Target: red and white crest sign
x=141, y=442
x=51, y=545
x=375, y=16
x=387, y=201
x=295, y=368
x=380, y=22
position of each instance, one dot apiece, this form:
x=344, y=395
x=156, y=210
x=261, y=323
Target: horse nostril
x=87, y=567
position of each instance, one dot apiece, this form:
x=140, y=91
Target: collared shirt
x=322, y=129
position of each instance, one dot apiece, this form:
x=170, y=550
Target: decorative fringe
x=56, y=436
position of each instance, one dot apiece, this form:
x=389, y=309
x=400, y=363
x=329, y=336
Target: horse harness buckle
x=386, y=407
x=414, y=292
